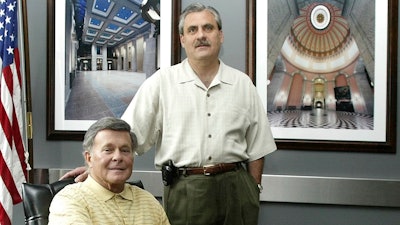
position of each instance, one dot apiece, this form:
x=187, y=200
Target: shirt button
x=208, y=114
x=209, y=135
x=208, y=95
x=209, y=157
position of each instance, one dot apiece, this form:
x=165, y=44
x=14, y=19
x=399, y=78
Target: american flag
x=13, y=164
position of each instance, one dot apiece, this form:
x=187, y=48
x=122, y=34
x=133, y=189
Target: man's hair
x=198, y=7
x=107, y=123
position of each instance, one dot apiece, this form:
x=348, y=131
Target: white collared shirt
x=194, y=125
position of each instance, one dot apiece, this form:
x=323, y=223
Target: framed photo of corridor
x=327, y=73
x=99, y=52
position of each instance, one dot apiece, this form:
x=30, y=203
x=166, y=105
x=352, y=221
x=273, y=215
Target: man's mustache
x=202, y=43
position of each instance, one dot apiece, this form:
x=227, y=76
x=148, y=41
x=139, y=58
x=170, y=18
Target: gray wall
x=67, y=154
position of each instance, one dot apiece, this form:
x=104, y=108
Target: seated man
x=105, y=197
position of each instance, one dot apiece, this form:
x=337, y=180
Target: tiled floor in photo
x=96, y=94
x=319, y=118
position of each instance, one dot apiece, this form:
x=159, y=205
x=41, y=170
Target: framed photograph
x=327, y=73
x=98, y=53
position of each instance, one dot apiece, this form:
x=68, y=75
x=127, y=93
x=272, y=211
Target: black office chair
x=37, y=199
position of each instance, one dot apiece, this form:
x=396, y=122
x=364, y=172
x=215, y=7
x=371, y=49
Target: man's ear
x=88, y=158
x=221, y=34
x=182, y=39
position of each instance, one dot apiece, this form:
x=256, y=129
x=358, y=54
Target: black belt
x=210, y=170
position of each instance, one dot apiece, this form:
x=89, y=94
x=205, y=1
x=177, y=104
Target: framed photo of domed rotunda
x=327, y=73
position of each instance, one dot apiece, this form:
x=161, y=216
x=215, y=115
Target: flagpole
x=28, y=99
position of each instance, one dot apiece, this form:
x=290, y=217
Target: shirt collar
x=103, y=193
x=189, y=75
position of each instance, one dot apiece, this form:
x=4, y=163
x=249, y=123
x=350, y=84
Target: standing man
x=208, y=119
x=208, y=126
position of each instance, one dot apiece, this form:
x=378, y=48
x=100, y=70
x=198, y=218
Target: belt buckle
x=205, y=170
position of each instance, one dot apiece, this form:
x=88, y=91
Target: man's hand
x=80, y=174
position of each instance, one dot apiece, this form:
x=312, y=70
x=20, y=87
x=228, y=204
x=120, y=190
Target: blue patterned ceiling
x=109, y=22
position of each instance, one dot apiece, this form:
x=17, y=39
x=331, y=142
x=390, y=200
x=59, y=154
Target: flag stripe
x=8, y=180
x=17, y=65
x=4, y=219
x=19, y=144
x=5, y=123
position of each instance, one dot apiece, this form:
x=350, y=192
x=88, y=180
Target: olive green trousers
x=230, y=198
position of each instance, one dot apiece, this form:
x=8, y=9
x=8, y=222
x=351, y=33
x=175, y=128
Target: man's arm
x=80, y=174
x=255, y=168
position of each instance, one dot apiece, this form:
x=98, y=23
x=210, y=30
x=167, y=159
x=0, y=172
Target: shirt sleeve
x=143, y=114
x=259, y=136
x=163, y=216
x=67, y=210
